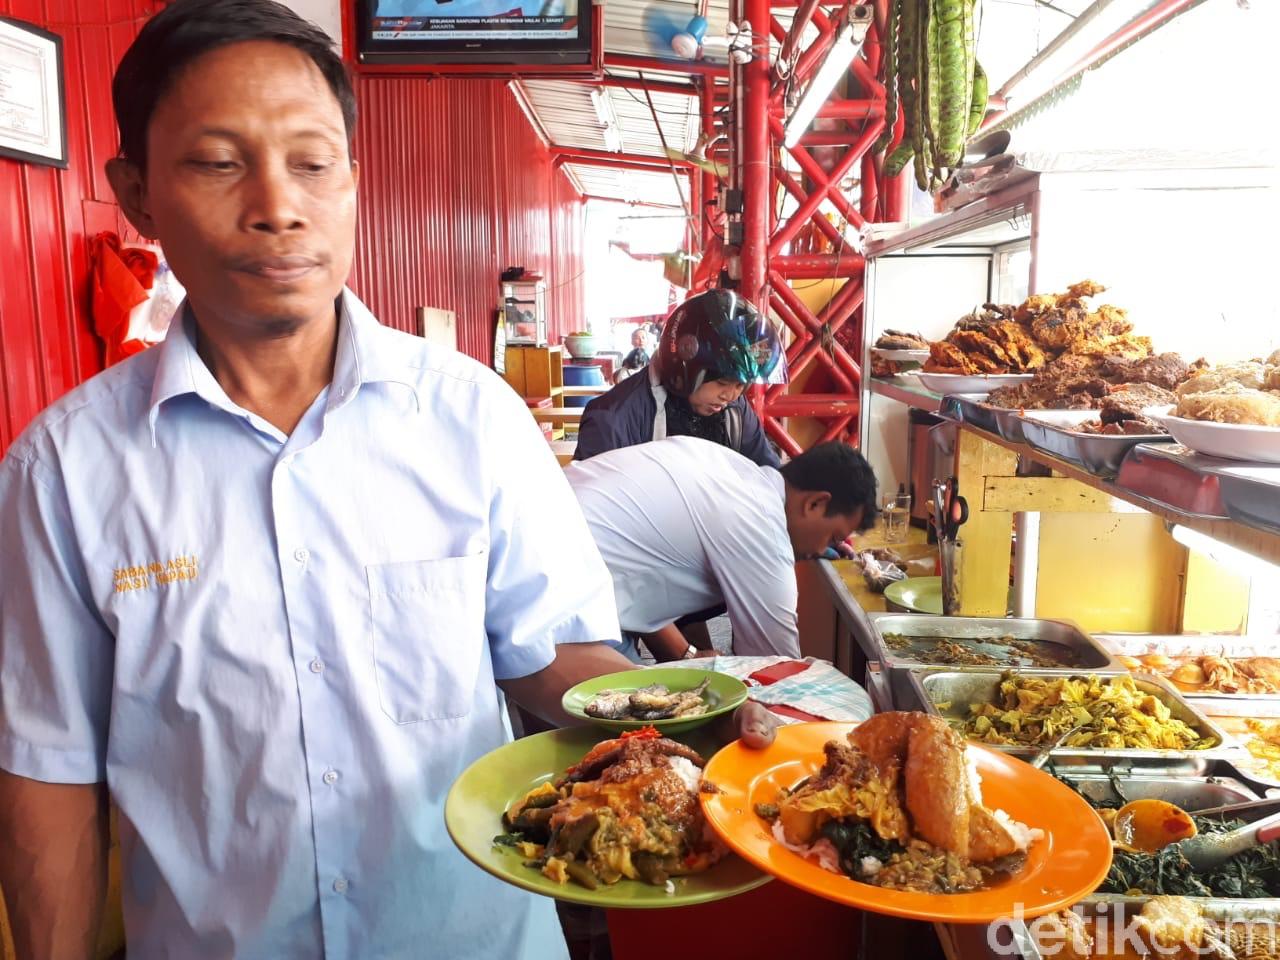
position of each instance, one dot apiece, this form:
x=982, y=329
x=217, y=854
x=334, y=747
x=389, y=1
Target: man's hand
x=752, y=723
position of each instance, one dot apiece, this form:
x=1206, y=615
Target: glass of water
x=897, y=517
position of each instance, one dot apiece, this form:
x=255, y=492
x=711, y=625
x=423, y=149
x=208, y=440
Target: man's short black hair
x=187, y=29
x=837, y=469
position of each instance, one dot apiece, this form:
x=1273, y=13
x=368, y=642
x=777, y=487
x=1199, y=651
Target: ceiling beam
x=627, y=61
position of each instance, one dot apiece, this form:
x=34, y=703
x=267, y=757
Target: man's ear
x=817, y=502
x=130, y=187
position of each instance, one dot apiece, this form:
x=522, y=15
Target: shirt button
x=330, y=777
x=301, y=555
x=340, y=885
x=317, y=665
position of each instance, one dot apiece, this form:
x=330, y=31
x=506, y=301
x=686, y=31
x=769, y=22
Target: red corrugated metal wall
x=455, y=186
x=46, y=344
x=465, y=190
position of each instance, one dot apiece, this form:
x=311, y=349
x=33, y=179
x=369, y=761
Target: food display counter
x=1162, y=558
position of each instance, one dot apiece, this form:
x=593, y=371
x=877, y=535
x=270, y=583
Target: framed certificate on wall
x=33, y=120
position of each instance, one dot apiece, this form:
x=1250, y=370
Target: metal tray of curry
x=904, y=641
x=1144, y=723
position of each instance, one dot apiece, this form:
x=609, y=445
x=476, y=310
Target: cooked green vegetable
x=1115, y=714
x=856, y=839
x=1249, y=875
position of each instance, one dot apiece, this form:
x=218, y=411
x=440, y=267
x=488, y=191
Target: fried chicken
x=1085, y=288
x=946, y=357
x=1036, y=305
x=1060, y=325
x=1127, y=346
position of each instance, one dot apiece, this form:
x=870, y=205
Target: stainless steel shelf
x=1232, y=503
x=906, y=390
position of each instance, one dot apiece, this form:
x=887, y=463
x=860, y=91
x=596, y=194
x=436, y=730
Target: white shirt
x=685, y=524
x=280, y=651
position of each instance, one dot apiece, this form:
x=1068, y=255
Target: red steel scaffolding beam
x=780, y=254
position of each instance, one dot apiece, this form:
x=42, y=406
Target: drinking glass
x=897, y=517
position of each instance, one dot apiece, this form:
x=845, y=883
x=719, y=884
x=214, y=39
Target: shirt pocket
x=427, y=634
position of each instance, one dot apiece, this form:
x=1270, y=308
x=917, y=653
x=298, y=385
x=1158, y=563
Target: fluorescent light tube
x=846, y=46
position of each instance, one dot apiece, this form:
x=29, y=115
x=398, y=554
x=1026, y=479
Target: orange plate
x=1067, y=865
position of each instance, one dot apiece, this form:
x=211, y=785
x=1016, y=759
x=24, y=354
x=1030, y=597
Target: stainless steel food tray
x=1172, y=475
x=1101, y=455
x=1211, y=702
x=1118, y=909
x=1222, y=785
x=1252, y=495
x=961, y=688
x=970, y=408
x=1089, y=655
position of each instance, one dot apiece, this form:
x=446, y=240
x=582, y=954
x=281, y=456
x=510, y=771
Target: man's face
x=812, y=531
x=249, y=188
x=714, y=395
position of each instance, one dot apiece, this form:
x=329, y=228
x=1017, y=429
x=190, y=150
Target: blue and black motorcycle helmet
x=717, y=335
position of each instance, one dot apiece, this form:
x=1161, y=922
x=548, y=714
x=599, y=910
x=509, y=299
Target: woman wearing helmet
x=713, y=345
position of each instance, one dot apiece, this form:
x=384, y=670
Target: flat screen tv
x=475, y=32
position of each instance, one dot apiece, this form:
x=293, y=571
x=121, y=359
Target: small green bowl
x=723, y=694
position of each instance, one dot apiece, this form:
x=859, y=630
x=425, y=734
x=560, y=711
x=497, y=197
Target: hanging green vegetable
x=904, y=41
x=978, y=105
x=890, y=45
x=953, y=83
x=933, y=79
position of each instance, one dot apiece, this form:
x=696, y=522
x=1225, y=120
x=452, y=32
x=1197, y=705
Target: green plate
x=473, y=816
x=724, y=694
x=917, y=594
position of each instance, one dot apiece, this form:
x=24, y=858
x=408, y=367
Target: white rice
x=869, y=866
x=686, y=771
x=975, y=778
x=1022, y=835
x=823, y=850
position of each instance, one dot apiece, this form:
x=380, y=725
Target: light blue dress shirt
x=280, y=651
x=685, y=524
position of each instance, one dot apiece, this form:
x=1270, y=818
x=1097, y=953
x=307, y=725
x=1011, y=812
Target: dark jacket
x=624, y=416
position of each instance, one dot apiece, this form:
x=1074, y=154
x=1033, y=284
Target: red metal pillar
x=706, y=108
x=757, y=168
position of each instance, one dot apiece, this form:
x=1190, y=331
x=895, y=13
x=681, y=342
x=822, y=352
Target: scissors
x=940, y=508
x=955, y=509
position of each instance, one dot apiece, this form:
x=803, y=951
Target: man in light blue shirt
x=685, y=525
x=258, y=583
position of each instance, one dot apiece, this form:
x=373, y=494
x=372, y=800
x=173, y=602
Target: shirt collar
x=363, y=356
